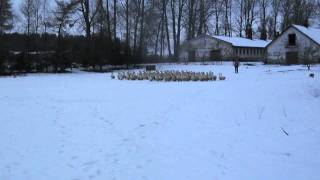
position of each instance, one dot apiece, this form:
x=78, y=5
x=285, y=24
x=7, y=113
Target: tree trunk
x=141, y=47
x=136, y=24
x=114, y=20
x=201, y=18
x=127, y=28
x=180, y=13
x=173, y=17
x=191, y=20
x=157, y=39
x=167, y=29
x=108, y=20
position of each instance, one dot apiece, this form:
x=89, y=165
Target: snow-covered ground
x=87, y=126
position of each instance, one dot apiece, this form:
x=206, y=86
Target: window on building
x=292, y=39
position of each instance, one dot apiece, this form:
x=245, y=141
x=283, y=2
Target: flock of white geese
x=168, y=76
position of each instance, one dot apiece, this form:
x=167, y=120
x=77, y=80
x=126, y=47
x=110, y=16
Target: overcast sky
x=16, y=4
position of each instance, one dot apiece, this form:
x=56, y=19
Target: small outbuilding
x=296, y=45
x=214, y=48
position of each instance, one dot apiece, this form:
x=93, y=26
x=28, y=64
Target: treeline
x=48, y=52
x=118, y=32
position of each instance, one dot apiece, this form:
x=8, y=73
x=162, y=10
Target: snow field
x=87, y=126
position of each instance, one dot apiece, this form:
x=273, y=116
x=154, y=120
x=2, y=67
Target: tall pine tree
x=5, y=24
x=5, y=16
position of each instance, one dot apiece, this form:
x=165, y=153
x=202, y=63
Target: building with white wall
x=296, y=45
x=212, y=48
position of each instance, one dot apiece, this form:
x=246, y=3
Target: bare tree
x=177, y=7
x=26, y=10
x=163, y=30
x=99, y=20
x=36, y=14
x=141, y=42
x=201, y=29
x=318, y=11
x=45, y=15
x=250, y=15
x=31, y=11
x=62, y=18
x=136, y=5
x=217, y=10
x=114, y=20
x=275, y=5
x=101, y=39
x=88, y=12
x=108, y=20
x=5, y=16
x=263, y=5
x=227, y=4
x=5, y=25
x=310, y=9
x=297, y=12
x=127, y=28
x=167, y=26
x=286, y=10
x=240, y=19
x=191, y=25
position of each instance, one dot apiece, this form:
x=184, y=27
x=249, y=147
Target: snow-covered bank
x=88, y=126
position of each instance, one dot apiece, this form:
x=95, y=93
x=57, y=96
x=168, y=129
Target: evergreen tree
x=5, y=25
x=5, y=16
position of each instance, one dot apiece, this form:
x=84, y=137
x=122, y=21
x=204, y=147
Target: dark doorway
x=192, y=55
x=292, y=57
x=215, y=55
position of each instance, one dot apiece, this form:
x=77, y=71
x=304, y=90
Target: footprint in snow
x=74, y=157
x=287, y=154
x=89, y=163
x=98, y=172
x=222, y=156
x=91, y=176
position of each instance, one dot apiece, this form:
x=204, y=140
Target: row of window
x=250, y=51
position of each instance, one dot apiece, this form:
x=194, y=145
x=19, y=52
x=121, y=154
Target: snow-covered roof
x=312, y=33
x=243, y=42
